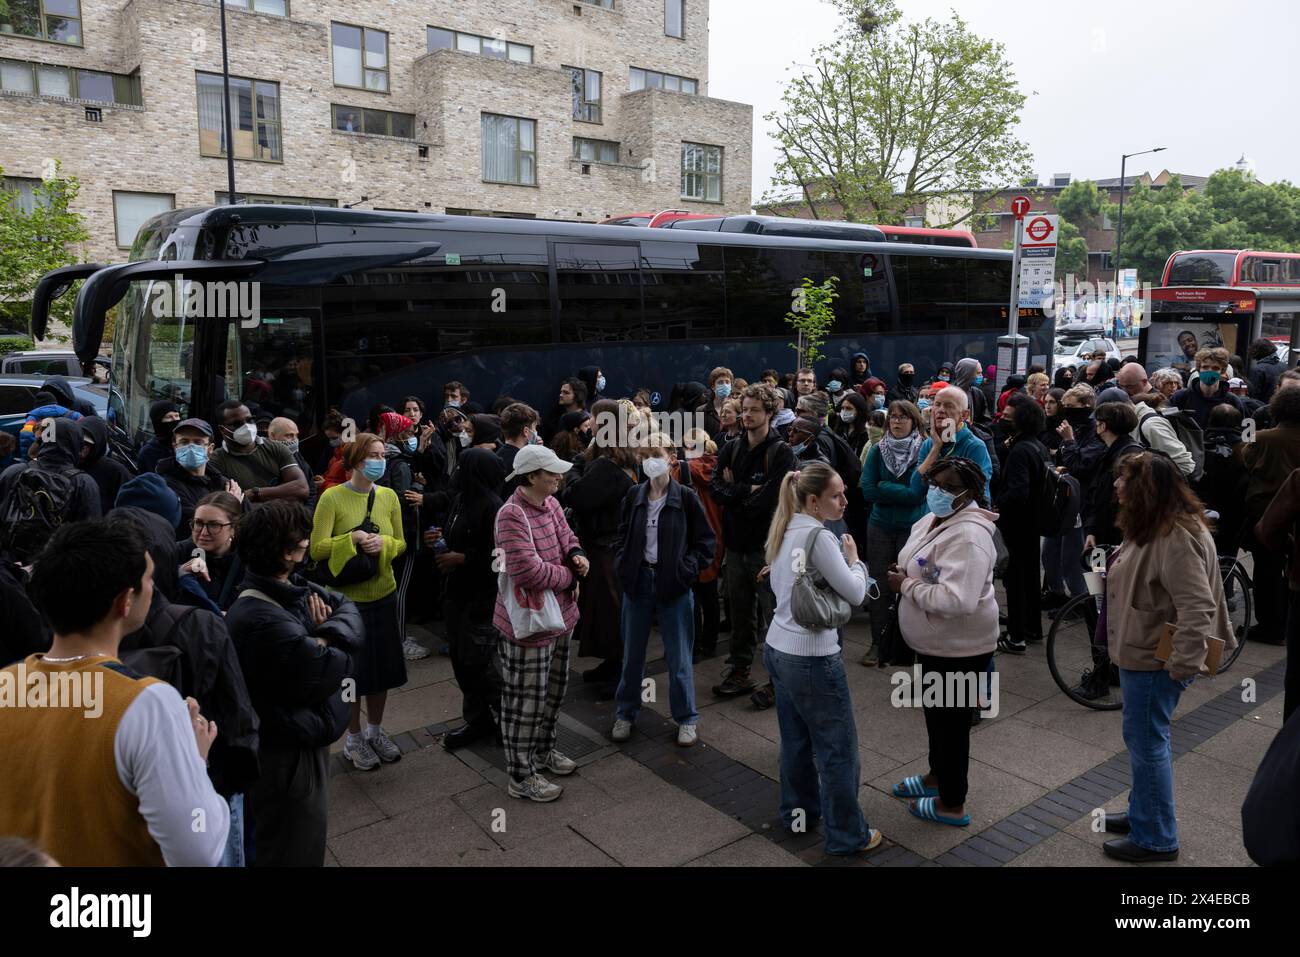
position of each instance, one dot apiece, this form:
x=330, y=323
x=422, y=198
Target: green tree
x=812, y=315
x=892, y=111
x=33, y=243
x=1081, y=205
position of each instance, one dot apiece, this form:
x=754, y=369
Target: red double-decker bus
x=1221, y=297
x=929, y=237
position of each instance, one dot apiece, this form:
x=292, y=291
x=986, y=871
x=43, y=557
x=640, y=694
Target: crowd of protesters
x=250, y=608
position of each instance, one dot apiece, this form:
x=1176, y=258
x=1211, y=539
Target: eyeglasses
x=198, y=526
x=900, y=418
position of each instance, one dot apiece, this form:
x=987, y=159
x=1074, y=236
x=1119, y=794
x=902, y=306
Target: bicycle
x=1084, y=671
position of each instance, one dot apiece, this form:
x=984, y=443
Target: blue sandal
x=914, y=787
x=926, y=809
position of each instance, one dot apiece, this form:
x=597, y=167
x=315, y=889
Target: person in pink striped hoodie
x=538, y=553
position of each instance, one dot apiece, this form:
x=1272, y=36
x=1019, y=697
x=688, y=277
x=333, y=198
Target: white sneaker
x=383, y=746
x=534, y=788
x=556, y=763
x=360, y=753
x=412, y=650
x=687, y=735
x=622, y=730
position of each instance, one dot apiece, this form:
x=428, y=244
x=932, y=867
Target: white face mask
x=847, y=415
x=655, y=468
x=463, y=439
x=246, y=434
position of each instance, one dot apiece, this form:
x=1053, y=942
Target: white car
x=1075, y=350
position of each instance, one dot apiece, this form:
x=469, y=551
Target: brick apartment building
x=556, y=109
x=993, y=225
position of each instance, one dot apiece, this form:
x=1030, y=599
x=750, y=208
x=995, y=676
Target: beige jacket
x=1175, y=579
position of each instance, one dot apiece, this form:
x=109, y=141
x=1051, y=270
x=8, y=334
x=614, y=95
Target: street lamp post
x=1119, y=227
x=225, y=85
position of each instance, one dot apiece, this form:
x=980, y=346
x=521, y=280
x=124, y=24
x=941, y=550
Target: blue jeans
x=815, y=715
x=1062, y=572
x=677, y=626
x=233, y=856
x=1149, y=701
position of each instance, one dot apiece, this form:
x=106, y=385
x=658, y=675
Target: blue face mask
x=1210, y=377
x=191, y=456
x=923, y=404
x=979, y=380
x=600, y=384
x=877, y=401
x=798, y=449
x=722, y=390
x=453, y=403
x=834, y=385
x=412, y=444
x=940, y=501
x=373, y=469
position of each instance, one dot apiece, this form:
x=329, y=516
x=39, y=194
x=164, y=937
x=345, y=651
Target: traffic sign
x=1042, y=230
x=1020, y=206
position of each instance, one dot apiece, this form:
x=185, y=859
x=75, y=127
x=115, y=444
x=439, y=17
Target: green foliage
x=31, y=244
x=892, y=111
x=812, y=315
x=1081, y=206
x=1071, y=251
x=15, y=343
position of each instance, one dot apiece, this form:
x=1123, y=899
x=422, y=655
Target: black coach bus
x=360, y=307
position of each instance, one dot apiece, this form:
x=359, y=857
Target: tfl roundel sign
x=1039, y=229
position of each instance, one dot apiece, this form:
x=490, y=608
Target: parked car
x=1074, y=350
x=18, y=397
x=51, y=362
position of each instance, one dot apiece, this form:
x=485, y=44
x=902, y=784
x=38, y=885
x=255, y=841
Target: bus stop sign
x=1020, y=206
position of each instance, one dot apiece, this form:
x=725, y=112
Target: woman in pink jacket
x=539, y=553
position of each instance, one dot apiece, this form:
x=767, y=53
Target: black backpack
x=1059, y=502
x=34, y=509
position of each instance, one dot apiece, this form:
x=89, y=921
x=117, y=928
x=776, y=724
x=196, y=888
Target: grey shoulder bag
x=813, y=603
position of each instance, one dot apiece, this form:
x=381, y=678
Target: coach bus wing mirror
x=105, y=289
x=51, y=286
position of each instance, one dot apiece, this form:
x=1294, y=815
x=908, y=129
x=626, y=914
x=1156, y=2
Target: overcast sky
x=1207, y=80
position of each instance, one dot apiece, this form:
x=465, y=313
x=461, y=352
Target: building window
x=439, y=38
x=1107, y=263
x=276, y=200
x=41, y=79
x=255, y=118
x=1106, y=222
x=600, y=151
x=986, y=223
x=607, y=4
x=914, y=222
x=702, y=172
x=56, y=20
x=509, y=150
x=639, y=79
x=279, y=8
x=674, y=17
x=360, y=57
x=21, y=191
x=356, y=119
x=586, y=94
x=130, y=210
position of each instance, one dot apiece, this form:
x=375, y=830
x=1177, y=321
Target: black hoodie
x=108, y=473
x=61, y=389
x=64, y=455
x=160, y=445
x=588, y=375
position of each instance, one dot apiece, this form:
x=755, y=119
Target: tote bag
x=531, y=611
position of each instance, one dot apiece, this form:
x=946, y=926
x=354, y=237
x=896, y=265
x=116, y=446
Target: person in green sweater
x=335, y=538
x=895, y=506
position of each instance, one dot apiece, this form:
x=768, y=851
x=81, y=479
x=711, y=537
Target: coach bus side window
x=275, y=369
x=685, y=292
x=760, y=291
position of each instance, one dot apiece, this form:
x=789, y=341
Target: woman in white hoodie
x=819, y=741
x=948, y=614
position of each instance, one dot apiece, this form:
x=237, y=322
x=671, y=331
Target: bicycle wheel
x=1241, y=606
x=1072, y=658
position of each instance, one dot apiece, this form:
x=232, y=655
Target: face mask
x=1210, y=377
x=655, y=468
x=600, y=384
x=923, y=404
x=246, y=434
x=979, y=380
x=412, y=444
x=722, y=390
x=906, y=377
x=165, y=430
x=943, y=377
x=834, y=385
x=463, y=439
x=798, y=449
x=373, y=469
x=290, y=444
x=940, y=501
x=536, y=439
x=453, y=403
x=1076, y=417
x=191, y=456
x=877, y=401
x=847, y=415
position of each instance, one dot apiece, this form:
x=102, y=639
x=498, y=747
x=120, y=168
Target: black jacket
x=1223, y=486
x=596, y=497
x=1264, y=374
x=23, y=633
x=63, y=455
x=59, y=387
x=1099, y=507
x=746, y=514
x=109, y=474
x=1192, y=400
x=189, y=488
x=295, y=682
x=1019, y=487
x=686, y=541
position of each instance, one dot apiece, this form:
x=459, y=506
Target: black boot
x=469, y=734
